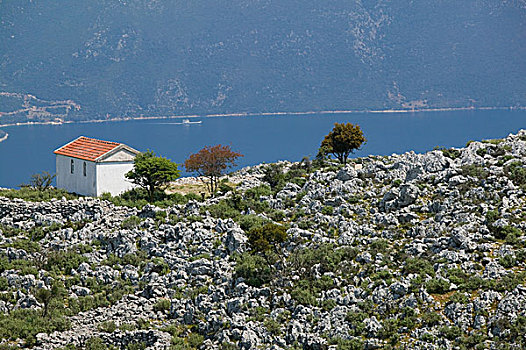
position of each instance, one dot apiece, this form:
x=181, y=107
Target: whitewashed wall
x=110, y=177
x=76, y=182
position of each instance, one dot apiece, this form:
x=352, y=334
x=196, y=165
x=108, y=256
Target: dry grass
x=443, y=298
x=197, y=187
x=183, y=189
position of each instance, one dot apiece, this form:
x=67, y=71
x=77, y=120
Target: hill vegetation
x=420, y=251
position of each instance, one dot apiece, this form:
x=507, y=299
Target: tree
x=211, y=162
x=40, y=182
x=152, y=173
x=343, y=140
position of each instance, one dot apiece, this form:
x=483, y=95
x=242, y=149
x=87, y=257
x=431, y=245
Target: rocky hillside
x=90, y=60
x=411, y=251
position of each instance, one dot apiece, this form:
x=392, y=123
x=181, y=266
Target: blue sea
x=29, y=149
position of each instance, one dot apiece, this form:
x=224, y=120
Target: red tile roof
x=87, y=148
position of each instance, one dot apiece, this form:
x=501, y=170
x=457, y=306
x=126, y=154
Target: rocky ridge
x=422, y=251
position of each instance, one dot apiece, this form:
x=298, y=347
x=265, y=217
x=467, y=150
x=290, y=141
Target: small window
x=84, y=169
x=72, y=167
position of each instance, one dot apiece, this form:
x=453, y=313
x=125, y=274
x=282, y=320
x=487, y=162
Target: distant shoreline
x=263, y=114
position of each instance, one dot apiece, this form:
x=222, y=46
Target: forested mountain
x=81, y=59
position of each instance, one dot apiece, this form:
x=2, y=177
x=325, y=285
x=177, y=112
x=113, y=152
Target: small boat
x=187, y=121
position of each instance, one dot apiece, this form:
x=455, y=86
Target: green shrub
x=431, y=319
x=25, y=244
x=27, y=323
x=419, y=266
x=491, y=216
x=4, y=285
x=505, y=231
x=253, y=268
x=33, y=195
x=329, y=257
x=263, y=238
x=274, y=176
x=451, y=153
x=162, y=305
x=258, y=191
x=229, y=346
x=97, y=343
x=160, y=266
x=63, y=262
x=516, y=173
x=127, y=327
x=507, y=261
x=131, y=222
x=459, y=297
x=474, y=170
x=138, y=198
x=273, y=326
x=223, y=210
x=327, y=210
x=438, y=286
x=136, y=346
x=194, y=340
x=450, y=333
x=248, y=222
x=277, y=215
x=303, y=295
x=107, y=327
x=509, y=282
x=355, y=320
x=379, y=246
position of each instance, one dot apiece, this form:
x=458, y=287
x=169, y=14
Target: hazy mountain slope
x=163, y=57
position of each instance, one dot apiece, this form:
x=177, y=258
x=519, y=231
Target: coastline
x=264, y=114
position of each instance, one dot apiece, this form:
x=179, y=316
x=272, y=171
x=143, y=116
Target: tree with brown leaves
x=343, y=140
x=212, y=162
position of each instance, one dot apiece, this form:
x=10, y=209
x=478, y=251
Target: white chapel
x=92, y=167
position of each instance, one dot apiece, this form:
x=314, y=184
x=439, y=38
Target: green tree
x=343, y=140
x=152, y=172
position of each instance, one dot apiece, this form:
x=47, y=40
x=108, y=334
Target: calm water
x=29, y=149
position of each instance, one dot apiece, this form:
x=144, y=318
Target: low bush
x=27, y=323
x=263, y=238
x=107, y=327
x=516, y=173
x=450, y=333
x=327, y=210
x=62, y=262
x=419, y=266
x=507, y=261
x=503, y=232
x=138, y=198
x=438, y=286
x=249, y=222
x=474, y=170
x=451, y=153
x=131, y=222
x=162, y=305
x=223, y=210
x=34, y=195
x=329, y=258
x=253, y=268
